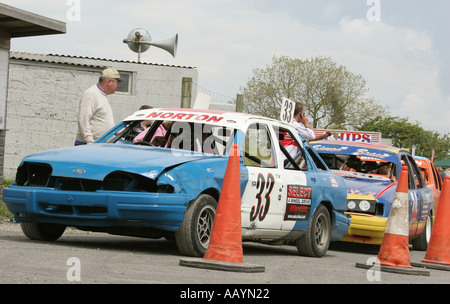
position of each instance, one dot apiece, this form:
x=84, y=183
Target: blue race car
x=166, y=182
x=371, y=172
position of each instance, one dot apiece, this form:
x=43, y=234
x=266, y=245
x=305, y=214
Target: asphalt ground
x=80, y=257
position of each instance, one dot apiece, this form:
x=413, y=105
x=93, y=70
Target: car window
x=189, y=136
x=436, y=176
x=358, y=163
x=292, y=152
x=415, y=179
x=258, y=147
x=425, y=175
x=199, y=137
x=334, y=161
x=124, y=134
x=316, y=159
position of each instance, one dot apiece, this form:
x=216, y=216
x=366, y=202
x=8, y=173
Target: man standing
x=95, y=114
x=301, y=124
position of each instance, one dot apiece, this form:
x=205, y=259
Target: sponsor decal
x=322, y=148
x=356, y=136
x=185, y=116
x=373, y=154
x=298, y=204
x=334, y=182
x=261, y=209
x=355, y=191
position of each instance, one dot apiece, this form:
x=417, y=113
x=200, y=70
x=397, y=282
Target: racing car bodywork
x=431, y=176
x=169, y=185
x=371, y=172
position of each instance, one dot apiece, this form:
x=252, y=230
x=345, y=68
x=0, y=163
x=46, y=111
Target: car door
x=436, y=184
x=418, y=196
x=300, y=182
x=261, y=203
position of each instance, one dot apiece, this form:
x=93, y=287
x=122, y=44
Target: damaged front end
x=104, y=200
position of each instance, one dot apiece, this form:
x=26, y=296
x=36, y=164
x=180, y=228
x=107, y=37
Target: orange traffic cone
x=394, y=252
x=394, y=249
x=225, y=243
x=439, y=247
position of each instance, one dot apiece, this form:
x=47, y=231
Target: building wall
x=4, y=62
x=44, y=92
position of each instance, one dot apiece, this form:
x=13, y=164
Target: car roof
x=423, y=162
x=220, y=118
x=377, y=146
x=375, y=150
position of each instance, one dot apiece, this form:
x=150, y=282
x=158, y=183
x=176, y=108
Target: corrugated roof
x=66, y=59
x=45, y=58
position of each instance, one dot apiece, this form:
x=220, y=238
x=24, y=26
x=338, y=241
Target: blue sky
x=401, y=49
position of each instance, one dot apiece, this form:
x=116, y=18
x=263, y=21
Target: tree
x=406, y=135
x=334, y=97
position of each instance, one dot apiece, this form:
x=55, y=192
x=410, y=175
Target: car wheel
x=192, y=238
x=421, y=243
x=316, y=239
x=42, y=231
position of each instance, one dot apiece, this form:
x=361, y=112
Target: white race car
x=166, y=182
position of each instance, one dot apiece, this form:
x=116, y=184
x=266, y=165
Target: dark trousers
x=79, y=143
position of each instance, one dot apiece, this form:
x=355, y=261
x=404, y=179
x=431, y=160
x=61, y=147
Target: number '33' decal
x=260, y=210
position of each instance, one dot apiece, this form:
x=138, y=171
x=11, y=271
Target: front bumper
x=341, y=224
x=163, y=211
x=367, y=229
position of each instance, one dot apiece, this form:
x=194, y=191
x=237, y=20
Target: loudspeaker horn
x=139, y=41
x=170, y=45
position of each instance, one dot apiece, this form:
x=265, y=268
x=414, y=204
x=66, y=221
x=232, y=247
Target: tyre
x=192, y=238
x=421, y=243
x=316, y=239
x=42, y=231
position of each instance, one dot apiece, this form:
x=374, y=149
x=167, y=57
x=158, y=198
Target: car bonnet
x=95, y=161
x=369, y=185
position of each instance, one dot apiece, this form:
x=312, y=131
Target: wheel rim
x=204, y=225
x=321, y=232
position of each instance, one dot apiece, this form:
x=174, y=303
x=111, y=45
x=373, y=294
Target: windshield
x=199, y=137
x=359, y=160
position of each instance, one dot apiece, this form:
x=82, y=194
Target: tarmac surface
x=80, y=257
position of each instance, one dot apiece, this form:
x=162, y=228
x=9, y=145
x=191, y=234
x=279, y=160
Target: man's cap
x=112, y=73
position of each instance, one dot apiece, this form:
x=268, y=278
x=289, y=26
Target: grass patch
x=4, y=212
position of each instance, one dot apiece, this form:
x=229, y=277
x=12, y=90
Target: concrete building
x=40, y=93
x=44, y=92
x=16, y=23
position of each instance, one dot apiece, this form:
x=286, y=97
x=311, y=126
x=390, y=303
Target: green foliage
x=406, y=135
x=3, y=210
x=334, y=97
